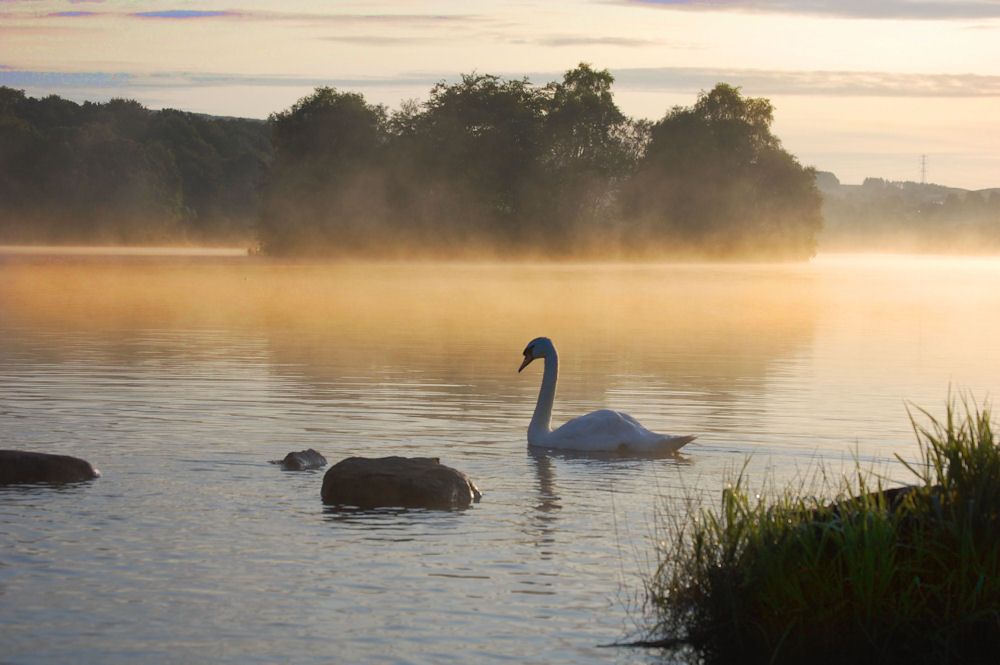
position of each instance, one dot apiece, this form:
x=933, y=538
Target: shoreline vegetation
x=486, y=167
x=508, y=168
x=888, y=575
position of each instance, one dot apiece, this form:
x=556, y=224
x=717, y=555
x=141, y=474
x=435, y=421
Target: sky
x=905, y=90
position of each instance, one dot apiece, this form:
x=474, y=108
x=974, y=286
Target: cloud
x=401, y=18
x=374, y=21
x=861, y=9
x=55, y=81
x=374, y=40
x=660, y=79
x=183, y=14
x=816, y=83
x=624, y=42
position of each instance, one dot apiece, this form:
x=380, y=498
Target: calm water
x=181, y=377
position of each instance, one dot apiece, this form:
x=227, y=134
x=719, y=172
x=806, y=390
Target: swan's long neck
x=541, y=421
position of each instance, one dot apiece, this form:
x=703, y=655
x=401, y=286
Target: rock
x=891, y=498
x=18, y=466
x=304, y=459
x=409, y=482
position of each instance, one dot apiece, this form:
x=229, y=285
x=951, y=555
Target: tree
x=198, y=164
x=472, y=153
x=323, y=187
x=583, y=121
x=118, y=172
x=587, y=154
x=716, y=181
x=520, y=167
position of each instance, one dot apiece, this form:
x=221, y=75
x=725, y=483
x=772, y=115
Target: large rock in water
x=409, y=482
x=19, y=466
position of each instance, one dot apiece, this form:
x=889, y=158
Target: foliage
x=909, y=575
x=485, y=165
x=117, y=172
x=323, y=186
x=470, y=155
x=714, y=179
x=482, y=163
x=590, y=150
x=551, y=170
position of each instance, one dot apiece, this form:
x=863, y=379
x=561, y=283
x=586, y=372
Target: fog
x=880, y=216
x=488, y=167
x=334, y=319
x=494, y=167
x=485, y=169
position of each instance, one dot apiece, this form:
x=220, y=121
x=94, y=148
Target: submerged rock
x=19, y=466
x=304, y=459
x=409, y=482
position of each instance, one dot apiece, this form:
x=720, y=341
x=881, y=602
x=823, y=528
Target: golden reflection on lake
x=474, y=304
x=744, y=346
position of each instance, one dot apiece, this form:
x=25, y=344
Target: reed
x=907, y=574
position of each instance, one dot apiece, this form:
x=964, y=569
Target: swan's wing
x=604, y=430
x=612, y=430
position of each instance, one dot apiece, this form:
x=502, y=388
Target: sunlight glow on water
x=181, y=377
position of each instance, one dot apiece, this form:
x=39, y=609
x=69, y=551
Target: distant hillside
x=881, y=215
x=119, y=173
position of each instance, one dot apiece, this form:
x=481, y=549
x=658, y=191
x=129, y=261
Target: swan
x=603, y=430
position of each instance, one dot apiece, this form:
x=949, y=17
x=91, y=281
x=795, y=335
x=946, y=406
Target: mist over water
x=181, y=377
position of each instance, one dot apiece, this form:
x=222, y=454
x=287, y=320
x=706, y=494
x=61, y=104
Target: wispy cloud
x=624, y=42
x=54, y=81
x=373, y=40
x=755, y=82
x=354, y=20
x=183, y=14
x=373, y=21
x=864, y=9
x=815, y=83
x=403, y=18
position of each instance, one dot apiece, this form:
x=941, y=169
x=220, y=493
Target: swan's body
x=599, y=430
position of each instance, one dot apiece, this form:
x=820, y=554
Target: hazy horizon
x=860, y=89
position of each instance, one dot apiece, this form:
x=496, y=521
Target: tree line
x=484, y=166
x=501, y=166
x=119, y=173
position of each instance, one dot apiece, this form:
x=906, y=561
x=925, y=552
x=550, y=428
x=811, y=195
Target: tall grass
x=908, y=575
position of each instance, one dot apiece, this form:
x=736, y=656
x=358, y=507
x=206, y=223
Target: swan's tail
x=675, y=443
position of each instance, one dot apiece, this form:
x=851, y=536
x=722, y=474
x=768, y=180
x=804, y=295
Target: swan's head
x=540, y=347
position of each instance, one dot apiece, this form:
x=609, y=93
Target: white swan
x=599, y=430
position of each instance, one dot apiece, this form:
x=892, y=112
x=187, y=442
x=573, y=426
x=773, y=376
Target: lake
x=181, y=375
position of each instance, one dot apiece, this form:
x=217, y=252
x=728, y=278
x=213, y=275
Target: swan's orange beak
x=527, y=359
